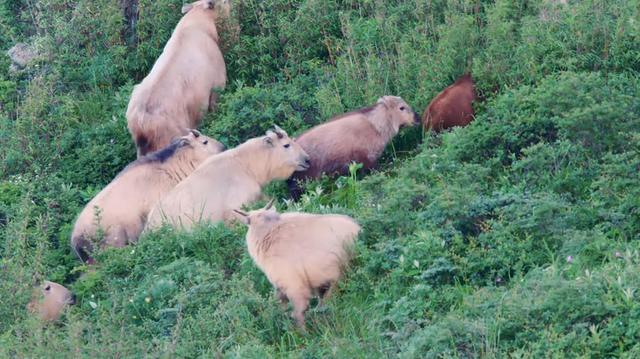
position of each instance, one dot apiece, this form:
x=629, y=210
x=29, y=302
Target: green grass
x=516, y=236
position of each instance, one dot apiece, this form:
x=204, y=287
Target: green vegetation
x=517, y=236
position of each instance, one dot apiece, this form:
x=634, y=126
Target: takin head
x=285, y=156
x=195, y=146
x=200, y=146
x=398, y=111
x=263, y=216
x=50, y=300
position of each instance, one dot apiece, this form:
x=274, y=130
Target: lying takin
x=301, y=254
x=176, y=93
x=120, y=210
x=451, y=107
x=229, y=181
x=359, y=136
x=50, y=300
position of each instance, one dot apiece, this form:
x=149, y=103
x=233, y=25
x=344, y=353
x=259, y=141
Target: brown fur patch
x=451, y=107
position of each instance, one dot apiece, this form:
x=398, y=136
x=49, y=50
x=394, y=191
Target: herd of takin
x=182, y=177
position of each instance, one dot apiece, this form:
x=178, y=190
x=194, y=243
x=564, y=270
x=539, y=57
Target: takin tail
x=81, y=247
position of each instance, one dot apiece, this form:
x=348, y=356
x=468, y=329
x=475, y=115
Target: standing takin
x=177, y=91
x=50, y=300
x=359, y=136
x=301, y=254
x=120, y=210
x=452, y=107
x=230, y=180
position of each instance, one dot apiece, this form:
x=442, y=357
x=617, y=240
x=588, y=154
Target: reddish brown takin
x=50, y=300
x=301, y=254
x=359, y=136
x=176, y=93
x=229, y=180
x=451, y=107
x=120, y=210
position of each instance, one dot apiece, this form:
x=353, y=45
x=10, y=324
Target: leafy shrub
x=250, y=111
x=569, y=106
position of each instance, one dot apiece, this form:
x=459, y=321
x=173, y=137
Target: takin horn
x=242, y=213
x=270, y=204
x=280, y=132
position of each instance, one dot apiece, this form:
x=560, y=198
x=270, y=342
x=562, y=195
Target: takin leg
x=282, y=298
x=213, y=101
x=324, y=292
x=117, y=237
x=300, y=301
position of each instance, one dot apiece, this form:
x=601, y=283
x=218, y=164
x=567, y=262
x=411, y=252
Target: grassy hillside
x=517, y=236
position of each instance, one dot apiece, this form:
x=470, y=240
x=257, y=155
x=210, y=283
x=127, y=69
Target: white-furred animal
x=120, y=210
x=301, y=254
x=177, y=91
x=50, y=300
x=230, y=180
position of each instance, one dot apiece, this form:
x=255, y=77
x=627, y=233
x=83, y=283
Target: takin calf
x=359, y=136
x=177, y=91
x=452, y=107
x=121, y=208
x=301, y=254
x=230, y=180
x=50, y=300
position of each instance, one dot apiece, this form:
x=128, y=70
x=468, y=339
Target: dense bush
x=514, y=236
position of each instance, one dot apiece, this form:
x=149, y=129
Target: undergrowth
x=515, y=236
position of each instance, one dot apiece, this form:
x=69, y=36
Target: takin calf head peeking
x=50, y=300
x=177, y=92
x=118, y=213
x=301, y=254
x=230, y=180
x=451, y=107
x=359, y=136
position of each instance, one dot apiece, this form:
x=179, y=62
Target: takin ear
x=384, y=101
x=242, y=216
x=186, y=8
x=183, y=142
x=268, y=140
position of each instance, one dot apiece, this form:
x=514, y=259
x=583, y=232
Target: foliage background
x=515, y=236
